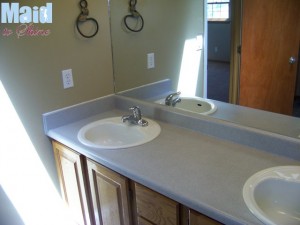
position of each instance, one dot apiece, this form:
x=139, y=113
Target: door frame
x=235, y=56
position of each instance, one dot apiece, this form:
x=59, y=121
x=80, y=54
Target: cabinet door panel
x=109, y=192
x=155, y=207
x=70, y=172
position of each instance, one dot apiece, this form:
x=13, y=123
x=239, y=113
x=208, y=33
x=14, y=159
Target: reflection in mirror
x=172, y=29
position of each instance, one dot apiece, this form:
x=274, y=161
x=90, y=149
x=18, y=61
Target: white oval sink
x=112, y=133
x=194, y=104
x=273, y=195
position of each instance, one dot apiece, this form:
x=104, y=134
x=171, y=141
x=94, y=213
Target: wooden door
x=110, y=195
x=70, y=172
x=270, y=36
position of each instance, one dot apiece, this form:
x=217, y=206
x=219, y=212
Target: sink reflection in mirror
x=273, y=195
x=193, y=104
x=112, y=133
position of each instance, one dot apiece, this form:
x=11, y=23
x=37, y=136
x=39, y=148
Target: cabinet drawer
x=155, y=208
x=200, y=219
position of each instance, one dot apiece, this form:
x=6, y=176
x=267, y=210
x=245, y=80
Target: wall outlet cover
x=67, y=78
x=150, y=61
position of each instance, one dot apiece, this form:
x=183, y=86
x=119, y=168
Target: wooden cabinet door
x=70, y=172
x=270, y=36
x=153, y=208
x=191, y=217
x=196, y=218
x=110, y=195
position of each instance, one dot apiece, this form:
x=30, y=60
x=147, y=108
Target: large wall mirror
x=177, y=32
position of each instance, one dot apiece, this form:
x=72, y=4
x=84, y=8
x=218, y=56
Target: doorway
x=218, y=74
x=218, y=49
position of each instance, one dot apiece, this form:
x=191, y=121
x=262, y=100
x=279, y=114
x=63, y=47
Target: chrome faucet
x=171, y=101
x=135, y=118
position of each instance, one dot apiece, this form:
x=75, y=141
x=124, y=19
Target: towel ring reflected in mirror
x=135, y=15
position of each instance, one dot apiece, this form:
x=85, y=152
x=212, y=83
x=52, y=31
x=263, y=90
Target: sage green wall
x=168, y=24
x=30, y=69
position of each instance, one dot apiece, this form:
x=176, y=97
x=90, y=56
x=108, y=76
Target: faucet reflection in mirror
x=171, y=101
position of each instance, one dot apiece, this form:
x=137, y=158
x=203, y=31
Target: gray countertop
x=199, y=170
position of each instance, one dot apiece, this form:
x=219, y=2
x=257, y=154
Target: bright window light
x=189, y=71
x=218, y=9
x=22, y=174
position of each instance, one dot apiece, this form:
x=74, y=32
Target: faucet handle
x=136, y=118
x=176, y=93
x=170, y=97
x=136, y=112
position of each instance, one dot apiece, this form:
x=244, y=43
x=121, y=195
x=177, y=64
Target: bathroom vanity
x=193, y=173
x=113, y=198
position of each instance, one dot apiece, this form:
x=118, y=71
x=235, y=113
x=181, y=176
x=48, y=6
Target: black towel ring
x=134, y=14
x=83, y=17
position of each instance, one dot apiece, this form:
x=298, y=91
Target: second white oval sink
x=112, y=133
x=273, y=195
